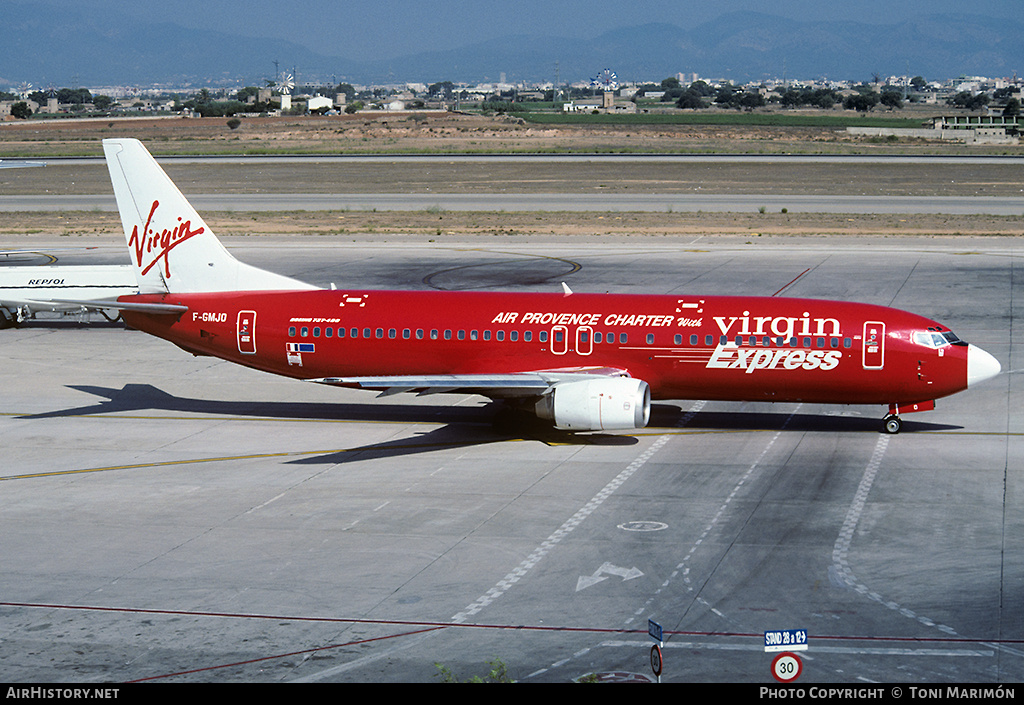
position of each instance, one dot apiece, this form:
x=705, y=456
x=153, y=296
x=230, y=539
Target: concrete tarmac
x=179, y=519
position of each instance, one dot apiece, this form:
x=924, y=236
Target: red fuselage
x=715, y=347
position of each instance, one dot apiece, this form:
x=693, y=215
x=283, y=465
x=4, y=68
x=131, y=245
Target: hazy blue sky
x=362, y=29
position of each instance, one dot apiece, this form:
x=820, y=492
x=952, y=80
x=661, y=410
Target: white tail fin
x=171, y=247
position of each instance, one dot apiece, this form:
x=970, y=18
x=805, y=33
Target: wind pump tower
x=606, y=82
x=287, y=84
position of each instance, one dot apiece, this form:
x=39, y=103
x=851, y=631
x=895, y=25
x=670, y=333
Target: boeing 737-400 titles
x=585, y=362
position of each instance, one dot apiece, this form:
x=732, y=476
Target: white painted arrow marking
x=586, y=581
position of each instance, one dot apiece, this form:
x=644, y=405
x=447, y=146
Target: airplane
x=26, y=291
x=583, y=362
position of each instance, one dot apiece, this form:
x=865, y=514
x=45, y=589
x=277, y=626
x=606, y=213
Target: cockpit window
x=935, y=339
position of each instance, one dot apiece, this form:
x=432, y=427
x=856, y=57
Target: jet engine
x=600, y=404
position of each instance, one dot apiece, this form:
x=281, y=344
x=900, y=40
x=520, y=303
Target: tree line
x=699, y=95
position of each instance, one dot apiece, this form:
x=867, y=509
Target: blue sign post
x=654, y=629
x=785, y=640
x=786, y=667
x=655, y=632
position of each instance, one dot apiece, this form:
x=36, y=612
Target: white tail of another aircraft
x=172, y=249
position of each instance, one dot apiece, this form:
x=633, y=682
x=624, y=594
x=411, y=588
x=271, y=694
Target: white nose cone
x=980, y=366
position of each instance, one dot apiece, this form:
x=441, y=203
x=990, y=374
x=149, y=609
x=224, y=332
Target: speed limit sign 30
x=786, y=667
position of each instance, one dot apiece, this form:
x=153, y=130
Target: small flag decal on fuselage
x=295, y=350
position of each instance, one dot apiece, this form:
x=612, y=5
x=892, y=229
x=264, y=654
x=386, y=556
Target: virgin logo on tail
x=155, y=246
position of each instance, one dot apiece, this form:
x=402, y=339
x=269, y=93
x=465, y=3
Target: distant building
x=971, y=129
x=582, y=106
x=318, y=102
x=6, y=105
x=973, y=122
x=605, y=104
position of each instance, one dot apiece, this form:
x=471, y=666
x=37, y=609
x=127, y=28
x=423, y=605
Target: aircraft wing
x=495, y=386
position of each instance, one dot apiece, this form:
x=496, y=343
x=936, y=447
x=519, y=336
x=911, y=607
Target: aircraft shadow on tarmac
x=146, y=397
x=667, y=416
x=460, y=426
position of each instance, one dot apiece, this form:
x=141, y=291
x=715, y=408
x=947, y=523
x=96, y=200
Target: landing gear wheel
x=893, y=423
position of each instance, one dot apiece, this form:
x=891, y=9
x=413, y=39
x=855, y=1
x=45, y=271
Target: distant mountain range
x=85, y=48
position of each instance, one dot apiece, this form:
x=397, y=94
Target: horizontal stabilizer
x=127, y=306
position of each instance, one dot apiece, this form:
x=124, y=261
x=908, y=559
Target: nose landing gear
x=892, y=423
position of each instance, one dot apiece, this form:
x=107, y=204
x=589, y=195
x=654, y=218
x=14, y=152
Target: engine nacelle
x=600, y=404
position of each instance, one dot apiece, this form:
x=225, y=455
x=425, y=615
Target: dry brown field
x=453, y=133
x=446, y=133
